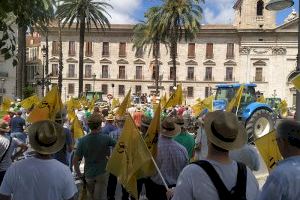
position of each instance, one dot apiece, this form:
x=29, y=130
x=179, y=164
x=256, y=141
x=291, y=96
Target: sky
x=214, y=11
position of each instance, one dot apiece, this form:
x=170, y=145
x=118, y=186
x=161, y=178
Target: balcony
x=72, y=53
x=139, y=77
x=2, y=90
x=259, y=79
x=191, y=56
x=122, y=76
x=172, y=78
x=260, y=18
x=105, y=54
x=88, y=54
x=122, y=54
x=3, y=74
x=104, y=76
x=209, y=78
x=209, y=56
x=87, y=76
x=54, y=74
x=71, y=75
x=228, y=56
x=229, y=78
x=191, y=78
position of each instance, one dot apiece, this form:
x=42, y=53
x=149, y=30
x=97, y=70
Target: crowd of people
x=199, y=158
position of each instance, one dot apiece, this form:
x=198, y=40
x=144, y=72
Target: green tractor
x=275, y=104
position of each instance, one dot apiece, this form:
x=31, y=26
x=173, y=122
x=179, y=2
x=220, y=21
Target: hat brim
x=57, y=146
x=172, y=133
x=240, y=140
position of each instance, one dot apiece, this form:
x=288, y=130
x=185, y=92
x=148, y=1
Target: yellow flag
x=129, y=156
x=207, y=103
x=6, y=103
x=47, y=108
x=163, y=100
x=30, y=101
x=235, y=102
x=77, y=128
x=92, y=104
x=268, y=149
x=115, y=102
x=296, y=82
x=283, y=108
x=122, y=109
x=261, y=99
x=176, y=98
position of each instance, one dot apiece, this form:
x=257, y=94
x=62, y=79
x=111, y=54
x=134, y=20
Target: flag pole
x=158, y=170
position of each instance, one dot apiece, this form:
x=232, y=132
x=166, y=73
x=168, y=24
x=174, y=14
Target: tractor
x=259, y=118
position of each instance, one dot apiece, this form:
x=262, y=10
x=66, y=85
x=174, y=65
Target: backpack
x=238, y=192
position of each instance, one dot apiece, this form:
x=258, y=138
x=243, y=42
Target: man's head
x=145, y=124
x=288, y=137
x=169, y=128
x=180, y=122
x=94, y=122
x=120, y=121
x=60, y=117
x=19, y=113
x=4, y=128
x=110, y=118
x=224, y=131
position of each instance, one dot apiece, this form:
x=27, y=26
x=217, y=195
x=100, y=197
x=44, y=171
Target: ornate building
x=252, y=49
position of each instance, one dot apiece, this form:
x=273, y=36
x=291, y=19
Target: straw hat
x=46, y=137
x=169, y=128
x=179, y=121
x=224, y=130
x=110, y=117
x=4, y=126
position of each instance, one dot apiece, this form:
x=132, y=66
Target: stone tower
x=251, y=14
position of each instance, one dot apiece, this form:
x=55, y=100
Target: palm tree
x=175, y=20
x=84, y=13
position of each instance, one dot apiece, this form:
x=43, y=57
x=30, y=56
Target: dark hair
x=294, y=142
x=218, y=148
x=94, y=126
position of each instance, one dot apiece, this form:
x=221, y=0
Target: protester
x=109, y=124
x=94, y=148
x=184, y=138
x=218, y=177
x=284, y=180
x=137, y=117
x=40, y=177
x=10, y=114
x=17, y=125
x=7, y=146
x=171, y=159
x=201, y=149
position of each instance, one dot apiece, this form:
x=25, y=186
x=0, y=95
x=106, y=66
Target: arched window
x=260, y=8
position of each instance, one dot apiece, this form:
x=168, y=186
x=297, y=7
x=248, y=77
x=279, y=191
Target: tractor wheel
x=260, y=123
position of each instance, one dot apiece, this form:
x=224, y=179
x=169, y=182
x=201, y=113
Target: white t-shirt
x=37, y=179
x=6, y=161
x=194, y=183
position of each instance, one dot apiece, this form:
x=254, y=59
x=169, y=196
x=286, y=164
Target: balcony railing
x=229, y=78
x=172, y=77
x=71, y=53
x=191, y=56
x=209, y=78
x=2, y=90
x=105, y=54
x=54, y=74
x=140, y=77
x=259, y=79
x=191, y=78
x=228, y=56
x=209, y=56
x=104, y=75
x=88, y=54
x=3, y=74
x=122, y=54
x=87, y=75
x=71, y=75
x=259, y=18
x=122, y=76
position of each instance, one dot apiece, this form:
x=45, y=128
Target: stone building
x=252, y=49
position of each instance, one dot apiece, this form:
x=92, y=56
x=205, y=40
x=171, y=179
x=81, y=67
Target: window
x=88, y=71
x=71, y=88
x=229, y=74
x=54, y=69
x=138, y=90
x=154, y=72
x=31, y=71
x=230, y=51
x=260, y=8
x=172, y=73
x=209, y=50
x=121, y=90
x=191, y=50
x=121, y=72
x=71, y=72
x=55, y=48
x=88, y=87
x=139, y=53
x=208, y=74
x=138, y=72
x=156, y=50
x=207, y=91
x=105, y=49
x=72, y=48
x=190, y=92
x=258, y=74
x=122, y=49
x=190, y=73
x=104, y=88
x=104, y=71
x=89, y=49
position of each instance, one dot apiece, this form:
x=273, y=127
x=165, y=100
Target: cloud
x=218, y=12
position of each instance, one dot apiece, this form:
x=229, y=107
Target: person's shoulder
x=193, y=171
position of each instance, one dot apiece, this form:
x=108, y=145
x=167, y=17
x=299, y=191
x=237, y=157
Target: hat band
x=218, y=135
x=169, y=129
x=43, y=144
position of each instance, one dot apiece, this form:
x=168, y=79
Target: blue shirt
x=16, y=124
x=108, y=128
x=62, y=154
x=284, y=181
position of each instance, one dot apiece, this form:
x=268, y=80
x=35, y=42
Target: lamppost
x=94, y=80
x=44, y=81
x=276, y=5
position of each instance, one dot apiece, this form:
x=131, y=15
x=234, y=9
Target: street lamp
x=2, y=85
x=275, y=5
x=94, y=79
x=43, y=81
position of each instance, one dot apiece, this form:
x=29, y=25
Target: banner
x=235, y=102
x=176, y=98
x=123, y=107
x=30, y=101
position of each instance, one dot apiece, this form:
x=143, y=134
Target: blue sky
x=215, y=11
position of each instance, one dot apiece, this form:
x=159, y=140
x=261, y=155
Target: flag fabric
x=123, y=107
x=283, y=108
x=72, y=104
x=296, y=82
x=47, y=108
x=6, y=103
x=77, y=128
x=115, y=102
x=200, y=106
x=176, y=98
x=235, y=102
x=261, y=99
x=128, y=157
x=163, y=100
x=268, y=149
x=30, y=101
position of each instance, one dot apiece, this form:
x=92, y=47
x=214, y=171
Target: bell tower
x=251, y=14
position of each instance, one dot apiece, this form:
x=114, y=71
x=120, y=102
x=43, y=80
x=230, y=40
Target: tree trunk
x=47, y=57
x=81, y=46
x=173, y=56
x=20, y=71
x=60, y=62
x=156, y=43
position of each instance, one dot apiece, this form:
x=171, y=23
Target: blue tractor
x=259, y=118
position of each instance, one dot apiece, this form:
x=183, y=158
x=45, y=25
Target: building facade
x=252, y=49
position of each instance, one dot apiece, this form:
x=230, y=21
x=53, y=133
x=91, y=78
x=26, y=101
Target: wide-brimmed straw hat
x=46, y=137
x=110, y=117
x=4, y=126
x=224, y=130
x=169, y=128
